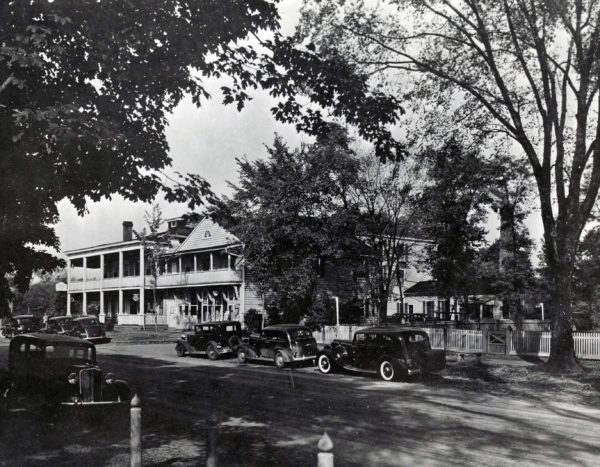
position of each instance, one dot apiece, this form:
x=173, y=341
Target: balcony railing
x=222, y=276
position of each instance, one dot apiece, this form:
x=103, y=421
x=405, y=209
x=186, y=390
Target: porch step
x=135, y=328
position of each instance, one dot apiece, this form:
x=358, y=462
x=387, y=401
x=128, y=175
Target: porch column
x=195, y=262
x=101, y=270
x=68, y=303
x=480, y=312
x=120, y=272
x=229, y=262
x=120, y=301
x=142, y=285
x=180, y=270
x=243, y=294
x=211, y=261
x=84, y=272
x=102, y=315
x=84, y=304
x=68, y=273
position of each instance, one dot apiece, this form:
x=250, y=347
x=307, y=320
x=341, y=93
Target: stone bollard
x=136, y=432
x=212, y=433
x=325, y=456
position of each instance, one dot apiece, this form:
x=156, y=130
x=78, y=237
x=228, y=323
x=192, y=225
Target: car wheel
x=241, y=355
x=180, y=350
x=211, y=352
x=387, y=371
x=325, y=365
x=279, y=360
x=3, y=333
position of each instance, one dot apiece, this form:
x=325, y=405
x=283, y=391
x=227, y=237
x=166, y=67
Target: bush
x=253, y=320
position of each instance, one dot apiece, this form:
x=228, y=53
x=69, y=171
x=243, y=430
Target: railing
x=465, y=340
x=151, y=318
x=130, y=319
x=586, y=344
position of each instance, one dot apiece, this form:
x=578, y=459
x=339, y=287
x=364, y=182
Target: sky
x=205, y=141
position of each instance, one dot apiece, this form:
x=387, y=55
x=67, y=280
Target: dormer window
x=207, y=234
x=173, y=224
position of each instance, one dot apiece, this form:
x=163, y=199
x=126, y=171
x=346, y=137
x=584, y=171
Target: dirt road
x=276, y=417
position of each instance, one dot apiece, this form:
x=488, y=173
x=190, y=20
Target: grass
x=522, y=379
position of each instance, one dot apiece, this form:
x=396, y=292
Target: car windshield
x=89, y=322
x=300, y=333
x=69, y=352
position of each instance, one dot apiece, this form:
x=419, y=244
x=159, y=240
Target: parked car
x=20, y=324
x=211, y=339
x=88, y=327
x=61, y=325
x=281, y=344
x=391, y=352
x=56, y=370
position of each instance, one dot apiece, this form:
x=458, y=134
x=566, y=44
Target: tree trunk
x=562, y=353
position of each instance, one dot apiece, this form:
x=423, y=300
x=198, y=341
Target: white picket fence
x=587, y=344
x=532, y=343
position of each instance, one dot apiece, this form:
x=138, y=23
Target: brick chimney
x=127, y=231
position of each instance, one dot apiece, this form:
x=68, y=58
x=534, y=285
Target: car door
x=262, y=343
x=360, y=349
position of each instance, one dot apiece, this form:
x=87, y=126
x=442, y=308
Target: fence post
x=445, y=330
x=211, y=438
x=325, y=456
x=508, y=339
x=136, y=432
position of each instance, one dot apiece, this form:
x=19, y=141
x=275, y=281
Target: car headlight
x=110, y=378
x=183, y=337
x=72, y=378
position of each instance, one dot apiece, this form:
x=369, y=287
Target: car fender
x=186, y=345
x=249, y=349
x=287, y=354
x=215, y=343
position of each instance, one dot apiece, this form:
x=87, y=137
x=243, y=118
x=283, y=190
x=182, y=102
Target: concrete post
x=84, y=304
x=325, y=456
x=102, y=315
x=136, y=432
x=68, y=304
x=508, y=339
x=212, y=435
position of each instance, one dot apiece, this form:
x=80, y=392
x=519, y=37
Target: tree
x=525, y=70
x=384, y=196
x=291, y=213
x=454, y=210
x=156, y=246
x=86, y=88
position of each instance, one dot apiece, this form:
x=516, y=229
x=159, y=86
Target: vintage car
x=391, y=352
x=88, y=327
x=61, y=325
x=56, y=370
x=21, y=324
x=211, y=339
x=281, y=344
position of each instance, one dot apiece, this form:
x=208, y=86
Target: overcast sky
x=206, y=141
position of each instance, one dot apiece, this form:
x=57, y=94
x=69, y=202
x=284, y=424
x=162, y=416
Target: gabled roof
x=207, y=235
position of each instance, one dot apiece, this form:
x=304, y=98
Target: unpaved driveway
x=271, y=417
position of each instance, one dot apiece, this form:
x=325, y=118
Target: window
x=408, y=309
x=173, y=224
x=416, y=338
x=428, y=308
x=207, y=234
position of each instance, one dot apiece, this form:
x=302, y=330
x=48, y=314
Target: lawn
x=519, y=378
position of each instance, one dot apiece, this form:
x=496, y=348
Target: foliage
x=290, y=211
x=524, y=71
x=86, y=88
x=453, y=210
x=41, y=297
x=384, y=196
x=253, y=320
